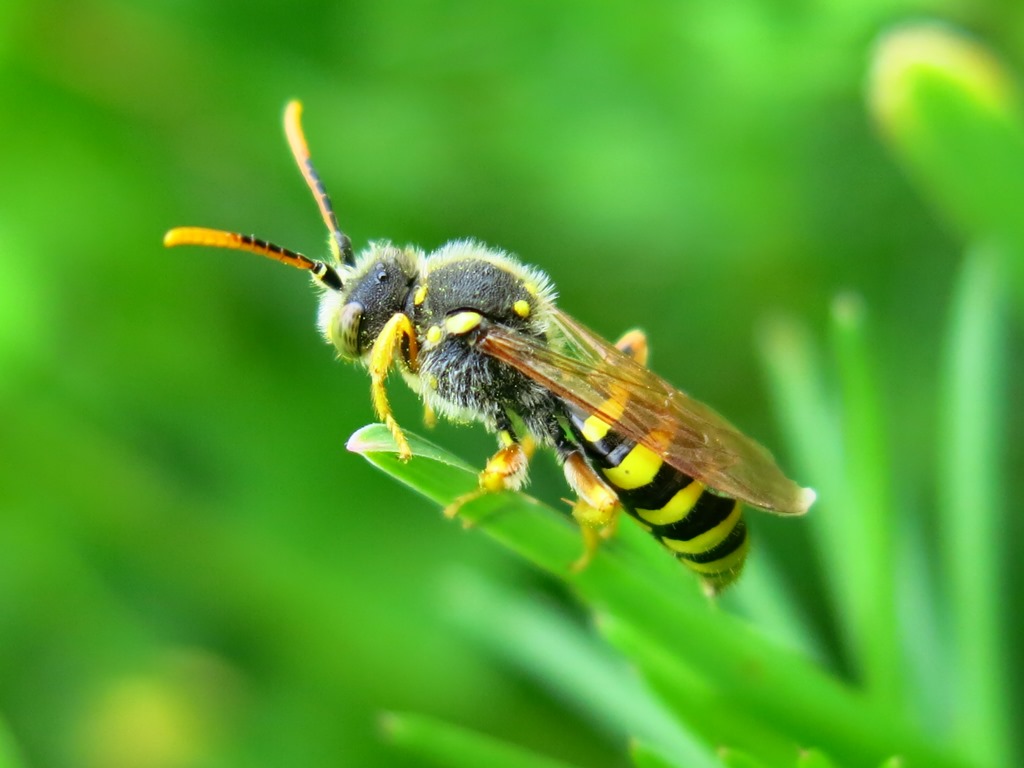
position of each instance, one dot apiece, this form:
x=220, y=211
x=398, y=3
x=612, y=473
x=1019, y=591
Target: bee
x=478, y=336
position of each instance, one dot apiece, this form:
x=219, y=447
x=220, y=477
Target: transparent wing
x=585, y=370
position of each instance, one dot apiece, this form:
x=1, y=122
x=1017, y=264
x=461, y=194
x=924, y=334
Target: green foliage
x=449, y=747
x=193, y=571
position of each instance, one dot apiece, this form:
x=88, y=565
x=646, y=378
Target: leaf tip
x=914, y=54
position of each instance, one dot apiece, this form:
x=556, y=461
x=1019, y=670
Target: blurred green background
x=193, y=571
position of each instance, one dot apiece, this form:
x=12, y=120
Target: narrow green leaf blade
x=569, y=661
x=10, y=755
x=813, y=758
x=437, y=474
x=815, y=709
x=645, y=755
x=450, y=746
x=734, y=758
x=867, y=515
x=972, y=506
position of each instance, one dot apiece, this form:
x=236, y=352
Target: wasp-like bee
x=479, y=337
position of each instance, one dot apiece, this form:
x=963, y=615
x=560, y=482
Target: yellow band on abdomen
x=636, y=470
x=678, y=506
x=708, y=540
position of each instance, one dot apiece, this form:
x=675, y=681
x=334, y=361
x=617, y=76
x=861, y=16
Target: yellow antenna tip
x=173, y=237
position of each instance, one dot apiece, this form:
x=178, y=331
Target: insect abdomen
x=705, y=531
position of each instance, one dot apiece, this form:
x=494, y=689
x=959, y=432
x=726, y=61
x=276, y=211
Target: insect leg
x=382, y=357
x=597, y=509
x=505, y=470
x=429, y=416
x=634, y=344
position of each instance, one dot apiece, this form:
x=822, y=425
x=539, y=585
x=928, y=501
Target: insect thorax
x=466, y=287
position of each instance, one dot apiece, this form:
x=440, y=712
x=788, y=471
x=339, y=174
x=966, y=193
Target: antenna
x=217, y=238
x=341, y=245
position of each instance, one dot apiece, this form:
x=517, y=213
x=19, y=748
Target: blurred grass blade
x=811, y=427
x=450, y=746
x=10, y=755
x=733, y=758
x=751, y=671
x=763, y=596
x=562, y=657
x=866, y=512
x=972, y=506
x=694, y=702
x=952, y=114
x=812, y=758
x=645, y=755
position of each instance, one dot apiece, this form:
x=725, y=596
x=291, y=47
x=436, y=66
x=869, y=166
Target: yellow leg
x=597, y=510
x=634, y=344
x=429, y=417
x=505, y=470
x=382, y=357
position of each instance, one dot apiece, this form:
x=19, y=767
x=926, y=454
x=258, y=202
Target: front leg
x=382, y=358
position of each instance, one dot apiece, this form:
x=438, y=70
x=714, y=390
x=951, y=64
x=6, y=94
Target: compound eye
x=346, y=330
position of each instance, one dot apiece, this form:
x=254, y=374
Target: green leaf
x=450, y=746
x=10, y=755
x=972, y=507
x=645, y=755
x=570, y=662
x=812, y=758
x=706, y=709
x=629, y=584
x=866, y=516
x=441, y=478
x=734, y=758
x=812, y=429
x=951, y=111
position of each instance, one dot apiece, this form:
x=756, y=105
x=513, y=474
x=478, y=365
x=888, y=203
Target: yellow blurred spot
x=434, y=334
x=420, y=296
x=522, y=308
x=910, y=56
x=171, y=716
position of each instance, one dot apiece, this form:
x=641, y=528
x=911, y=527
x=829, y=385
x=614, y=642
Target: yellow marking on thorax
x=678, y=507
x=521, y=308
x=531, y=288
x=434, y=334
x=420, y=296
x=596, y=427
x=462, y=322
x=636, y=470
x=709, y=539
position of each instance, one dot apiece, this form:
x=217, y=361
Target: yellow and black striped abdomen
x=704, y=530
